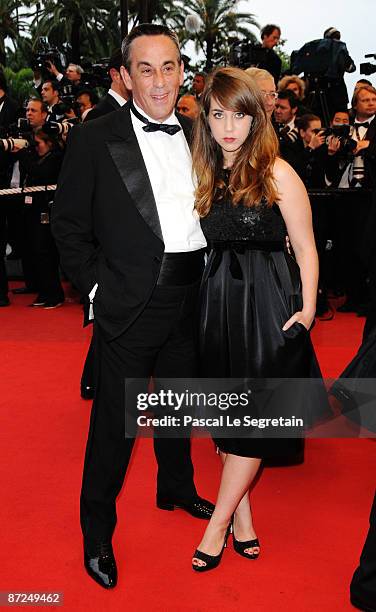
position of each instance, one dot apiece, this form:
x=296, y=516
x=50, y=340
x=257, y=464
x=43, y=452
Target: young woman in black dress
x=257, y=302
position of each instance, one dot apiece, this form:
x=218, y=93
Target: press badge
x=28, y=199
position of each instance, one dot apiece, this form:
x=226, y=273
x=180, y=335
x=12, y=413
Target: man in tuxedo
x=134, y=199
x=115, y=98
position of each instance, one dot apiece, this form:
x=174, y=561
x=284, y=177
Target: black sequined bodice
x=226, y=222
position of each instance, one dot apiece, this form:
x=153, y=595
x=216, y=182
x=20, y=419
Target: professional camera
x=342, y=132
x=17, y=136
x=244, y=54
x=59, y=128
x=95, y=75
x=47, y=53
x=368, y=68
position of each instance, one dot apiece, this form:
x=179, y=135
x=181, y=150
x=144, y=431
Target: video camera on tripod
x=367, y=68
x=244, y=54
x=47, y=53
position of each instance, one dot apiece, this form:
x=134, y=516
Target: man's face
x=340, y=119
x=308, y=133
x=272, y=40
x=34, y=113
x=72, y=74
x=188, y=106
x=198, y=84
x=283, y=112
x=49, y=95
x=366, y=103
x=267, y=88
x=83, y=102
x=155, y=75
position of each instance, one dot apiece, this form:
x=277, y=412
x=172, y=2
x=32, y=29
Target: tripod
x=317, y=99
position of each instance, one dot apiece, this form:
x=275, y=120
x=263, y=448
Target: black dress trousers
x=160, y=343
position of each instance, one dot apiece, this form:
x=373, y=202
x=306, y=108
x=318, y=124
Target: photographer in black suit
x=134, y=198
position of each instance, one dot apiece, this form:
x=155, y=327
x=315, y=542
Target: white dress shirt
x=169, y=165
x=348, y=173
x=119, y=99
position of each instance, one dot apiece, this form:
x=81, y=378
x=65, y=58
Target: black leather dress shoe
x=100, y=564
x=87, y=392
x=198, y=507
x=23, y=291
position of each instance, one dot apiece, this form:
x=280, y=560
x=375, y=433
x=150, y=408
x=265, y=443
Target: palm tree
x=220, y=22
x=82, y=23
x=10, y=25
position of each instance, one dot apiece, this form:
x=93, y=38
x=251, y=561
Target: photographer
x=324, y=62
x=72, y=77
x=51, y=97
x=117, y=95
x=353, y=170
x=308, y=155
x=270, y=37
x=86, y=101
x=40, y=165
x=36, y=114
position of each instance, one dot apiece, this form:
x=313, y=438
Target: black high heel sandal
x=212, y=561
x=240, y=547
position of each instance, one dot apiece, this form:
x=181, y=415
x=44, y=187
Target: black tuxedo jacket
x=105, y=198
x=106, y=105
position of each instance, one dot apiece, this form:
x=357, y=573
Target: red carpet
x=311, y=519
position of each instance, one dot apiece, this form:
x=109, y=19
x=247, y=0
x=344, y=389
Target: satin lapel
x=128, y=159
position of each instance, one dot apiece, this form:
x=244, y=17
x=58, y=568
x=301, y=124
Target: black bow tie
x=359, y=125
x=155, y=127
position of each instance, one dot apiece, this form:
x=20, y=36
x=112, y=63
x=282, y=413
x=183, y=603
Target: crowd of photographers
x=330, y=144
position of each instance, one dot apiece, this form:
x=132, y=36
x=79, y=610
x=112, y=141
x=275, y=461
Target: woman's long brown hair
x=251, y=177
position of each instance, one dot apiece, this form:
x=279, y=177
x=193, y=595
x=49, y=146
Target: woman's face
x=41, y=146
x=229, y=128
x=295, y=88
x=268, y=91
x=309, y=132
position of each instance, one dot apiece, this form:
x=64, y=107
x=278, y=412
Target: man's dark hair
x=43, y=105
x=303, y=122
x=146, y=29
x=339, y=110
x=365, y=82
x=54, y=84
x=115, y=60
x=289, y=95
x=89, y=92
x=269, y=29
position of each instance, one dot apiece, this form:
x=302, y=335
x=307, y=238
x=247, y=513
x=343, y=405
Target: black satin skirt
x=248, y=292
